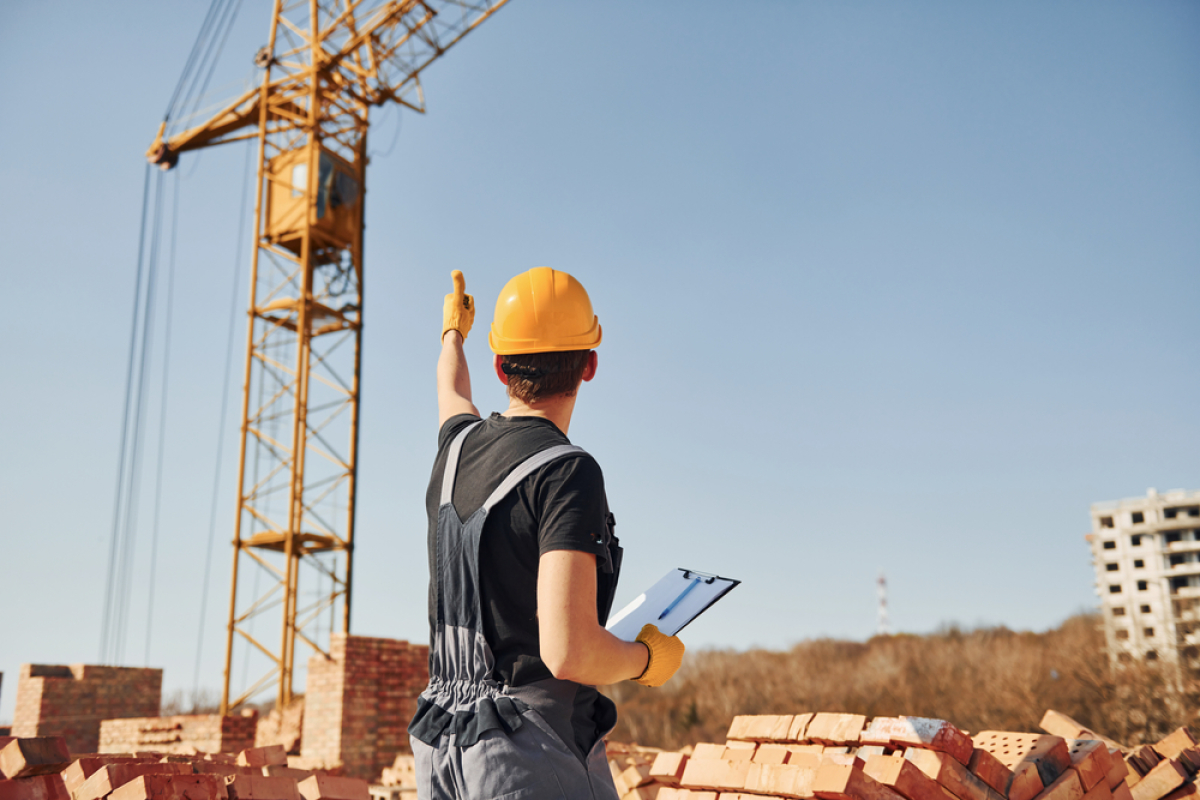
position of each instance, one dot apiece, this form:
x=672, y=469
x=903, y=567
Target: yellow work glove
x=458, y=312
x=666, y=654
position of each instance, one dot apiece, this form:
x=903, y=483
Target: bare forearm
x=572, y=642
x=596, y=657
x=453, y=379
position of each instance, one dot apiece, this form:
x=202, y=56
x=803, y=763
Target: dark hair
x=536, y=376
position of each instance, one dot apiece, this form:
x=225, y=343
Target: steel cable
x=189, y=64
x=133, y=487
x=114, y=540
x=212, y=517
x=162, y=416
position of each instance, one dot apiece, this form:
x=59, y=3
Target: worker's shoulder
x=454, y=426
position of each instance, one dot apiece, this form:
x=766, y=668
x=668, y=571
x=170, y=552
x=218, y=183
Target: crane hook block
x=164, y=156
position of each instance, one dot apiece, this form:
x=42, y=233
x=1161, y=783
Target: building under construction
x=1146, y=553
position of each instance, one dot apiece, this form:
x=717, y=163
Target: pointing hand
x=458, y=311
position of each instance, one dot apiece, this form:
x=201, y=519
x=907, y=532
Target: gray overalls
x=473, y=737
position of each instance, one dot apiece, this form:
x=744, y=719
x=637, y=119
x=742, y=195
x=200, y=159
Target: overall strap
x=526, y=467
x=452, y=462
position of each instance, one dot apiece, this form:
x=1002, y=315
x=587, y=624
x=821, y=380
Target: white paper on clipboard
x=677, y=599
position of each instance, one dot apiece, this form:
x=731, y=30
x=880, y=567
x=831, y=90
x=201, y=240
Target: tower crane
x=326, y=64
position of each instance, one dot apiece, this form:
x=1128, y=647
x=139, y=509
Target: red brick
x=771, y=754
x=1187, y=791
x=903, y=776
x=261, y=787
x=849, y=782
x=224, y=770
x=760, y=728
x=1172, y=745
x=1160, y=781
x=276, y=771
x=836, y=729
x=990, y=770
x=327, y=787
x=1142, y=759
x=112, y=776
x=1059, y=724
x=668, y=768
x=714, y=774
x=708, y=751
x=1067, y=787
x=81, y=769
x=634, y=776
x=1099, y=792
x=798, y=730
x=39, y=787
x=947, y=771
x=263, y=756
x=1117, y=770
x=931, y=734
x=172, y=787
x=782, y=780
x=40, y=755
x=1048, y=753
x=1089, y=758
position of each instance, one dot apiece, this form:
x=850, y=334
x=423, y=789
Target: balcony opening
x=1177, y=559
x=1106, y=522
x=1110, y=545
x=1114, y=588
x=1119, y=611
x=1122, y=634
x=1145, y=609
x=1136, y=540
x=1174, y=536
x=1152, y=655
x=1138, y=563
x=1143, y=586
x=1148, y=633
x=1138, y=517
x=1111, y=567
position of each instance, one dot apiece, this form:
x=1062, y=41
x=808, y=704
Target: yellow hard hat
x=543, y=311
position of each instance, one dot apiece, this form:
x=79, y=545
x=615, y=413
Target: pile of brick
x=184, y=733
x=71, y=701
x=400, y=779
x=847, y=757
x=282, y=727
x=42, y=768
x=359, y=701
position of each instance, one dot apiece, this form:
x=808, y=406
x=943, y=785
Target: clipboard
x=677, y=599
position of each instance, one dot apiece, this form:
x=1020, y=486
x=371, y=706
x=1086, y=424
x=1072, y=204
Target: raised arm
x=453, y=377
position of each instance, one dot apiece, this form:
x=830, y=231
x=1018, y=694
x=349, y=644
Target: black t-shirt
x=561, y=506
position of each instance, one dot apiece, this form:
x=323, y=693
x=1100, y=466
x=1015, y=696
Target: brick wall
x=70, y=701
x=184, y=733
x=358, y=703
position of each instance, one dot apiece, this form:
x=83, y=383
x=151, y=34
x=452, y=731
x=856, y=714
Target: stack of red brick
x=184, y=733
x=41, y=768
x=845, y=757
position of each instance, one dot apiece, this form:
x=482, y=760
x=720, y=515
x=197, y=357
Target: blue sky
x=899, y=286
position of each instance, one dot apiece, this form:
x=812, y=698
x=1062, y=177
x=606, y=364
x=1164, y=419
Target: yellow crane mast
x=327, y=62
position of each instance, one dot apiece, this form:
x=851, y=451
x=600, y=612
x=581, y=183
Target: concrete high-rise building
x=1146, y=552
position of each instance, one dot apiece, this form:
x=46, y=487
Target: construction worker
x=523, y=565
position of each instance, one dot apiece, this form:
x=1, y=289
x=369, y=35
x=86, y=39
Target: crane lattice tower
x=326, y=64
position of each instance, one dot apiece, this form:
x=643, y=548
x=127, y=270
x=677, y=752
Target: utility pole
x=326, y=63
x=883, y=627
